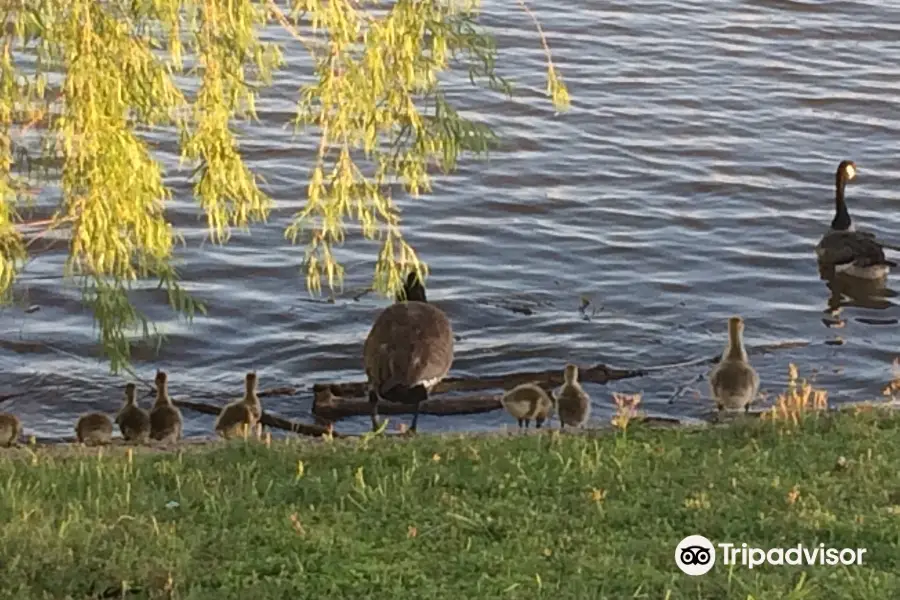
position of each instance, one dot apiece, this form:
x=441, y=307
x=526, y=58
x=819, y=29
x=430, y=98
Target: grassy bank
x=458, y=517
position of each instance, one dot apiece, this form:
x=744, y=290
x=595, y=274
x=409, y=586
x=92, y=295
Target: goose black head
x=413, y=290
x=846, y=171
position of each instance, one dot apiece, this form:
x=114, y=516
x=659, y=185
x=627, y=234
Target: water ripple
x=688, y=183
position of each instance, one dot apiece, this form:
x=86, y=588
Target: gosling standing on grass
x=572, y=403
x=165, y=418
x=94, y=429
x=133, y=421
x=733, y=382
x=526, y=402
x=10, y=429
x=240, y=417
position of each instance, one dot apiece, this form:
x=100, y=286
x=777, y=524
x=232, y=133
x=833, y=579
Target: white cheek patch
x=430, y=383
x=875, y=272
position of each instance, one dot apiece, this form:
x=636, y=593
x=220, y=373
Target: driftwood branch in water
x=5, y=397
x=711, y=360
x=547, y=379
x=266, y=393
x=267, y=419
x=335, y=401
x=328, y=407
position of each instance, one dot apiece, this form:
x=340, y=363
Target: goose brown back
x=411, y=343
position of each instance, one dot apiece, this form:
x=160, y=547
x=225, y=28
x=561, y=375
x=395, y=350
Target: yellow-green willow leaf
x=373, y=103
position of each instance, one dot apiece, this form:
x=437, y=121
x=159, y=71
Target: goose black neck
x=413, y=290
x=841, y=220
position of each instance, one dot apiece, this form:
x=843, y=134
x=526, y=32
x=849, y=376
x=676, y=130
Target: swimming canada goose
x=573, y=405
x=165, y=418
x=10, y=429
x=408, y=350
x=526, y=402
x=733, y=382
x=842, y=248
x=133, y=421
x=241, y=416
x=94, y=429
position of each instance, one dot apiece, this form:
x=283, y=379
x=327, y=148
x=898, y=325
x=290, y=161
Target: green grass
x=493, y=516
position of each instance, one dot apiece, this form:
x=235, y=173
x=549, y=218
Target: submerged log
x=330, y=408
x=335, y=401
x=267, y=419
x=712, y=360
x=547, y=379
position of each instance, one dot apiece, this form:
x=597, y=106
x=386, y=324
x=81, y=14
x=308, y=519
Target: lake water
x=690, y=181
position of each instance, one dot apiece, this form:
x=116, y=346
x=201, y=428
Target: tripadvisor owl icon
x=695, y=555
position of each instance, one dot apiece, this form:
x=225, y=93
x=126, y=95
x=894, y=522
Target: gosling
x=241, y=416
x=733, y=382
x=573, y=403
x=165, y=419
x=526, y=402
x=10, y=429
x=94, y=429
x=133, y=421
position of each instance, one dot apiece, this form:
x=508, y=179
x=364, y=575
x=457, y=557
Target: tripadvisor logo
x=696, y=555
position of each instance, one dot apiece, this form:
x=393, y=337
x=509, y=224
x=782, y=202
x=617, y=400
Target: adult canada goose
x=165, y=419
x=842, y=248
x=573, y=405
x=733, y=382
x=408, y=350
x=526, y=402
x=241, y=416
x=133, y=421
x=94, y=429
x=10, y=429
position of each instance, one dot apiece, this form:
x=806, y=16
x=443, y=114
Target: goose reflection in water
x=848, y=291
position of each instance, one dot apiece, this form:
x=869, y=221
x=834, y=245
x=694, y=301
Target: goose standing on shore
x=241, y=416
x=526, y=402
x=573, y=405
x=165, y=419
x=10, y=429
x=94, y=429
x=408, y=350
x=734, y=382
x=133, y=421
x=842, y=248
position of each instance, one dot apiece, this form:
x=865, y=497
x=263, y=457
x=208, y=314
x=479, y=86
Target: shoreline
x=118, y=446
x=456, y=396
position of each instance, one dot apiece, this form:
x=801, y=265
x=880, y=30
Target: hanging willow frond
x=194, y=67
